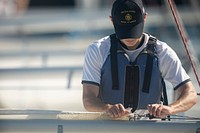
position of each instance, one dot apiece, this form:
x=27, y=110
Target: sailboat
x=52, y=121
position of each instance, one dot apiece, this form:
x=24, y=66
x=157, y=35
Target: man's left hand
x=159, y=110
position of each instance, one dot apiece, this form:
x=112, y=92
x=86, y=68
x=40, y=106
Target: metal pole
x=184, y=36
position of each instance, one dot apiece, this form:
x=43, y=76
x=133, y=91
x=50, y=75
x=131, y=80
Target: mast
x=185, y=39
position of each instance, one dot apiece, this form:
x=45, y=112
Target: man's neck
x=137, y=45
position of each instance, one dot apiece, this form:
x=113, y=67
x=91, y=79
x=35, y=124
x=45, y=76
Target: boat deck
x=52, y=121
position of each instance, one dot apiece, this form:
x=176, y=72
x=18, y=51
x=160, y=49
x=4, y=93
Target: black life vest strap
x=150, y=50
x=114, y=62
x=165, y=99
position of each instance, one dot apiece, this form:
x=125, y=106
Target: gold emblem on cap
x=128, y=17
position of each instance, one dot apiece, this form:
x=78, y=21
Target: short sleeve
x=170, y=65
x=91, y=66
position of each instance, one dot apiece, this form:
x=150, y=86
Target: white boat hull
x=65, y=122
x=98, y=126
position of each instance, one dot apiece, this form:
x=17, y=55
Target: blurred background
x=42, y=46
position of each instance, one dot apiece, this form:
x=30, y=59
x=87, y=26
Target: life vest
x=133, y=84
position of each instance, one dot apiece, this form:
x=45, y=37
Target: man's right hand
x=117, y=111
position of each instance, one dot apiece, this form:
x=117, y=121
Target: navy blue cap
x=128, y=18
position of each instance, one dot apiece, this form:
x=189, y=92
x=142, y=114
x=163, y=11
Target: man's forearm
x=94, y=104
x=91, y=101
x=186, y=100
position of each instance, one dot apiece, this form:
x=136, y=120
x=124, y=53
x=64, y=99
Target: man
x=99, y=93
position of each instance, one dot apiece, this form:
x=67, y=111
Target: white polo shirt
x=169, y=64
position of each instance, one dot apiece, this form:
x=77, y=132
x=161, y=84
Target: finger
x=154, y=109
x=128, y=109
x=158, y=111
x=122, y=110
x=115, y=111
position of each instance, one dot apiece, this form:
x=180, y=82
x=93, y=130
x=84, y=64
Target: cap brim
x=125, y=32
